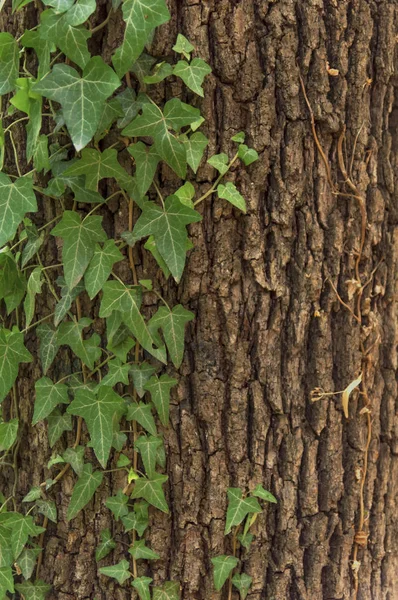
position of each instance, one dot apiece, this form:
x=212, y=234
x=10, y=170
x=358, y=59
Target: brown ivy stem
x=41, y=544
x=234, y=548
x=103, y=24
x=217, y=181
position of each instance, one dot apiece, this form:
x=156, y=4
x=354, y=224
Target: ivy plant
x=89, y=125
x=243, y=509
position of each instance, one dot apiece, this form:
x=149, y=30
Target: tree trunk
x=269, y=327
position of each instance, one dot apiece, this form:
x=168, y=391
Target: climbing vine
x=86, y=121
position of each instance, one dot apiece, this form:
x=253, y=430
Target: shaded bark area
x=268, y=326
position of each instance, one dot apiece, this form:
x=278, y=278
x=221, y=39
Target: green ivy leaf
x=84, y=490
x=238, y=508
x=100, y=267
x=123, y=461
x=70, y=334
x=193, y=74
x=6, y=581
x=27, y=561
x=67, y=297
x=9, y=63
x=172, y=323
x=168, y=226
x=21, y=528
x=80, y=12
x=239, y=137
x=56, y=186
x=8, y=434
x=195, y=146
x=16, y=199
x=137, y=520
x=168, y=591
x=98, y=408
x=48, y=345
x=33, y=245
x=120, y=572
x=72, y=41
x=151, y=491
x=160, y=72
x=141, y=374
x=33, y=288
x=230, y=193
x=141, y=18
x=95, y=165
x=219, y=162
x=58, y=423
x=118, y=373
x=185, y=194
x=12, y=282
x=80, y=96
x=33, y=494
x=152, y=122
x=75, y=457
x=223, y=565
x=48, y=396
x=260, y=492
x=32, y=39
x=6, y=554
x=48, y=509
x=183, y=46
x=141, y=584
x=246, y=539
x=118, y=504
x=129, y=106
x=41, y=157
x=33, y=591
x=148, y=447
x=159, y=389
x=127, y=301
x=150, y=245
x=142, y=413
x=79, y=243
x=146, y=162
x=243, y=583
x=33, y=128
x=59, y=5
x=106, y=546
x=12, y=353
x=139, y=550
x=247, y=155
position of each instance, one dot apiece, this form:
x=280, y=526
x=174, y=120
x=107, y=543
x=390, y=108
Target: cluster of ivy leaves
x=115, y=386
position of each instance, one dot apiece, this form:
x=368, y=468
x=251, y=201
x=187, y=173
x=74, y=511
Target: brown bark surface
x=268, y=325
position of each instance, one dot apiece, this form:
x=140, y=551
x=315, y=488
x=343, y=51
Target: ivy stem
x=215, y=184
x=101, y=25
x=37, y=323
x=234, y=547
x=158, y=192
x=15, y=154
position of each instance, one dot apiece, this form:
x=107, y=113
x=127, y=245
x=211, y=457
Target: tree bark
x=269, y=327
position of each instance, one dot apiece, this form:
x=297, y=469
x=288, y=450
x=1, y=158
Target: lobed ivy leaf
x=12, y=353
x=120, y=572
x=195, y=146
x=100, y=267
x=79, y=237
x=75, y=457
x=246, y=539
x=33, y=591
x=129, y=106
x=223, y=565
x=70, y=334
x=12, y=281
x=48, y=345
x=80, y=12
x=80, y=96
x=47, y=508
x=140, y=550
x=238, y=508
x=168, y=226
x=230, y=193
x=6, y=581
x=33, y=494
x=42, y=47
x=6, y=554
x=260, y=492
x=141, y=18
x=168, y=591
x=172, y=323
x=58, y=423
x=137, y=520
x=8, y=434
x=247, y=155
x=183, y=46
x=33, y=244
x=72, y=41
x=141, y=374
x=142, y=413
x=59, y=5
x=118, y=504
x=33, y=288
x=151, y=490
x=239, y=137
x=242, y=582
x=148, y=447
x=48, y=396
x=118, y=373
x=105, y=546
x=193, y=74
x=9, y=63
x=95, y=165
x=141, y=584
x=159, y=388
x=219, y=162
x=16, y=199
x=98, y=408
x=127, y=301
x=146, y=161
x=84, y=490
x=27, y=561
x=160, y=72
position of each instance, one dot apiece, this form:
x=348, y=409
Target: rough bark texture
x=268, y=326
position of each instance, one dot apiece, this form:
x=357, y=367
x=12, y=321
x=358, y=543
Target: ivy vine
x=87, y=121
